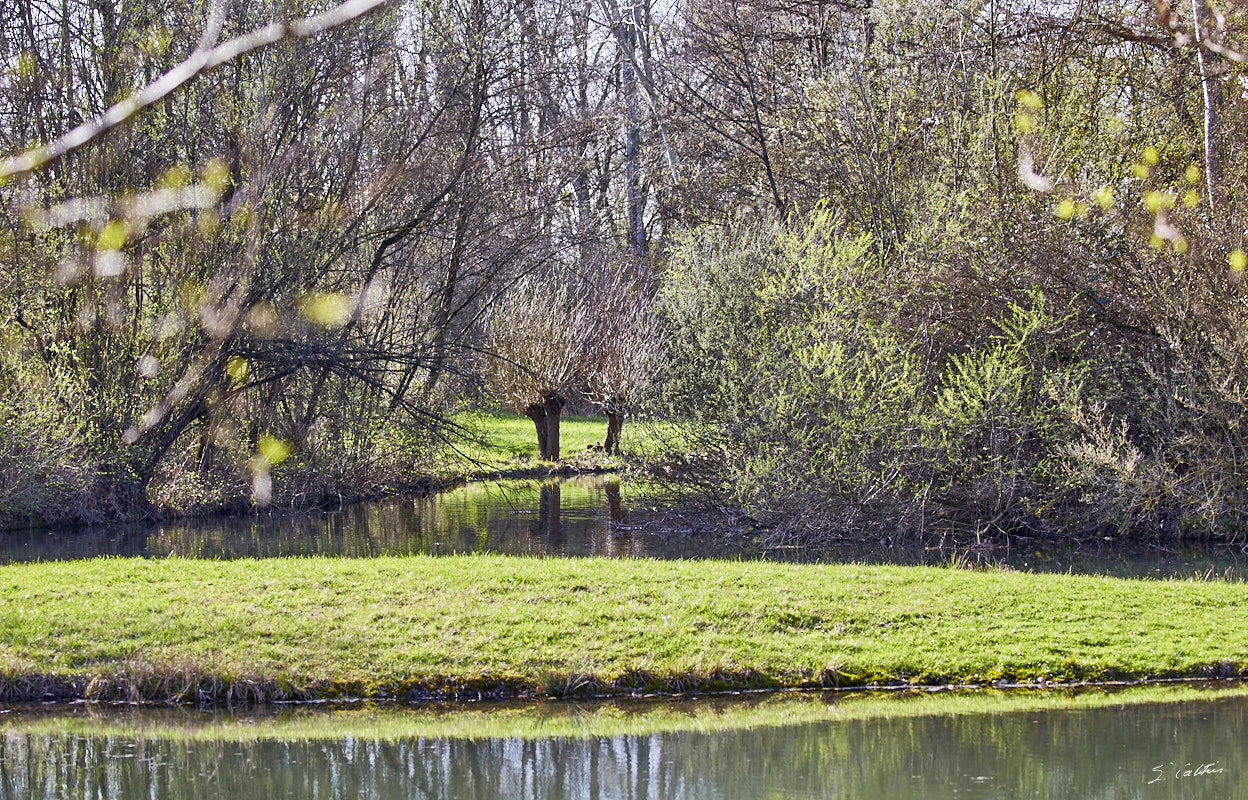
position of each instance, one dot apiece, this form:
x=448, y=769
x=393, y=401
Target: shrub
x=47, y=474
x=832, y=413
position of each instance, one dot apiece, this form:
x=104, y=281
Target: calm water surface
x=1189, y=750
x=592, y=515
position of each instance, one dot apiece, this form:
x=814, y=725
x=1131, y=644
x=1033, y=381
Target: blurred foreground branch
x=204, y=58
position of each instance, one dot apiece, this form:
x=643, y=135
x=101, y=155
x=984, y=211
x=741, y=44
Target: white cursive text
x=1187, y=771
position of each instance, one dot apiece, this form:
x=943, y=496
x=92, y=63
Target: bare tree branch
x=204, y=58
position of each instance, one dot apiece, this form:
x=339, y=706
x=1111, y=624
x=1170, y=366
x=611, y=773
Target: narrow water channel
x=592, y=515
x=1150, y=750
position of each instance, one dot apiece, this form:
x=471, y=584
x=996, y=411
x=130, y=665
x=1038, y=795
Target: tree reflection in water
x=587, y=515
x=1104, y=753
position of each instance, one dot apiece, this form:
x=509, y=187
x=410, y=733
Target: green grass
x=507, y=439
x=504, y=441
x=572, y=720
x=416, y=626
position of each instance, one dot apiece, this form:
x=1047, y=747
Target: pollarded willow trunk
x=554, y=407
x=537, y=413
x=545, y=416
x=615, y=425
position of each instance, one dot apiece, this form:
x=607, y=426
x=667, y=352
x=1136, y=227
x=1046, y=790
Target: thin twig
x=204, y=58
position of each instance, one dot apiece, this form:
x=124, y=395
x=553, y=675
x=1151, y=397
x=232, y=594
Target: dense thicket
x=1019, y=303
x=920, y=265
x=289, y=256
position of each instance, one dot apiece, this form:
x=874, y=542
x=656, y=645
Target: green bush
x=832, y=413
x=46, y=472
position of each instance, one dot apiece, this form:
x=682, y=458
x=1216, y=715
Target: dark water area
x=598, y=515
x=1142, y=752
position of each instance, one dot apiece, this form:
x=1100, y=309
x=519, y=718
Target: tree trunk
x=554, y=407
x=615, y=424
x=629, y=47
x=537, y=413
x=632, y=142
x=446, y=302
x=205, y=451
x=1212, y=134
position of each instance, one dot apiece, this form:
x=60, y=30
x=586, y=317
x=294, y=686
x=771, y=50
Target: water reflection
x=590, y=515
x=577, y=516
x=1131, y=751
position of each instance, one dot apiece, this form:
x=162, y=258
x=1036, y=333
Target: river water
x=598, y=515
x=1151, y=750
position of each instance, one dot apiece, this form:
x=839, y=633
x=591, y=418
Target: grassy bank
x=481, y=443
x=478, y=444
x=488, y=625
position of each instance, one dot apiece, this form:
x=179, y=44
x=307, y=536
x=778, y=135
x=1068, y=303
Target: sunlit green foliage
x=834, y=412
